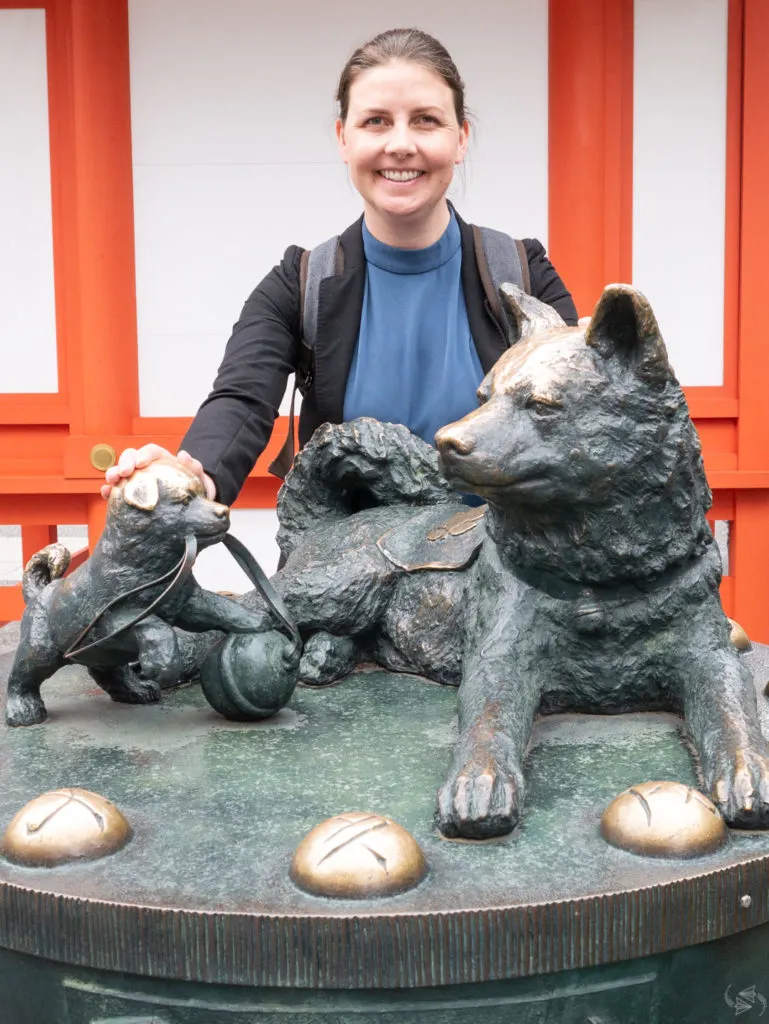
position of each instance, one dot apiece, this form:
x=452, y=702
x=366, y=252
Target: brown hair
x=402, y=44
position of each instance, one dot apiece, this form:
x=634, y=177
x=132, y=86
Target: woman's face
x=401, y=142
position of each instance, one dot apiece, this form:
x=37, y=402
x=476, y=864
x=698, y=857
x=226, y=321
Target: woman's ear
x=340, y=138
x=464, y=138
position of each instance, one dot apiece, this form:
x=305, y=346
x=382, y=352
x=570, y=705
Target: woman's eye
x=374, y=122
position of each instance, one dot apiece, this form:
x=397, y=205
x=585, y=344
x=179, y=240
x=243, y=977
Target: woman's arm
x=546, y=285
x=233, y=425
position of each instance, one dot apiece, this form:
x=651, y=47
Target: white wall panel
x=235, y=157
x=27, y=309
x=216, y=569
x=679, y=177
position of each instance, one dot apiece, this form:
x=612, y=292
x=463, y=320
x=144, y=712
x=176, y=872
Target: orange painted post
x=33, y=538
x=750, y=548
x=591, y=144
x=105, y=391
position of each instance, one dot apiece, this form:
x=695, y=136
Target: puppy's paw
x=128, y=687
x=326, y=658
x=741, y=789
x=481, y=797
x=24, y=709
x=140, y=691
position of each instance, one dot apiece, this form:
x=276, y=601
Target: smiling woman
x=408, y=325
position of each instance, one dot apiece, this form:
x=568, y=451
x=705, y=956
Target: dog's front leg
x=484, y=788
x=204, y=610
x=159, y=658
x=722, y=718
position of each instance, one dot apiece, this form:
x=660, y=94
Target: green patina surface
x=218, y=807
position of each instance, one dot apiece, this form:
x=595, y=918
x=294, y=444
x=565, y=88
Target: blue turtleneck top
x=415, y=361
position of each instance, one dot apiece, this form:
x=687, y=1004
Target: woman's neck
x=409, y=232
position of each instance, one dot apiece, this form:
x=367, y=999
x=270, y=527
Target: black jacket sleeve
x=546, y=285
x=233, y=425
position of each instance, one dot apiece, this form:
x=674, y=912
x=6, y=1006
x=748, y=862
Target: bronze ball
x=250, y=675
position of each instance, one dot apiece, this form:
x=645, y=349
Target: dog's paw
x=326, y=658
x=481, y=797
x=24, y=709
x=135, y=689
x=741, y=790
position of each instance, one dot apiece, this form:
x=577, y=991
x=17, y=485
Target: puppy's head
x=167, y=501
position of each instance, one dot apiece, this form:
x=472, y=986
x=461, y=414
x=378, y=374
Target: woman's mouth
x=400, y=176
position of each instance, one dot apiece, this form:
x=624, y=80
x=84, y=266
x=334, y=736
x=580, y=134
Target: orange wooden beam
x=750, y=547
x=105, y=389
x=591, y=144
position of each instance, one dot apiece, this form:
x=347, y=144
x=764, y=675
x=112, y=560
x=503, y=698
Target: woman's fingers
x=149, y=453
x=196, y=467
x=138, y=458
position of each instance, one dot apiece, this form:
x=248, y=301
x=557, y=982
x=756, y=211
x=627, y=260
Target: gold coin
x=103, y=456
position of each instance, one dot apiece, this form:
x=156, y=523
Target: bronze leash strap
x=181, y=573
x=256, y=574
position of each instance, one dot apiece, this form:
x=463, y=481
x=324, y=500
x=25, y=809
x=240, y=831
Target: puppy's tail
x=347, y=467
x=43, y=568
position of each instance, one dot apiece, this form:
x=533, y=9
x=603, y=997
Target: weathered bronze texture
x=358, y=855
x=664, y=819
x=62, y=826
x=116, y=613
x=103, y=456
x=590, y=584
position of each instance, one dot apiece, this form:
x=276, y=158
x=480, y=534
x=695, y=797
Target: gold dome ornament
x=357, y=855
x=664, y=819
x=738, y=636
x=64, y=825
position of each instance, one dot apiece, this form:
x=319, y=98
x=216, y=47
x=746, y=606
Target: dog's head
x=571, y=416
x=167, y=502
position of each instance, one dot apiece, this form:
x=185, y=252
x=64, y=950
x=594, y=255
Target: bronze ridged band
x=380, y=950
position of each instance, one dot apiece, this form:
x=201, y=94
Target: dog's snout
x=452, y=439
x=221, y=511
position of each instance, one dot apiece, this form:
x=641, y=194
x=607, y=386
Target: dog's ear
x=524, y=314
x=518, y=322
x=624, y=326
x=141, y=491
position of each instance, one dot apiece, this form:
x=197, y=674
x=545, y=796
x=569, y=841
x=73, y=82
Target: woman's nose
x=400, y=141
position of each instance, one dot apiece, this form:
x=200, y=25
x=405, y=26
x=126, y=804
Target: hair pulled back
x=409, y=44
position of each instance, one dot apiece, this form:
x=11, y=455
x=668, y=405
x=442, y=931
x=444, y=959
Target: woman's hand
x=137, y=458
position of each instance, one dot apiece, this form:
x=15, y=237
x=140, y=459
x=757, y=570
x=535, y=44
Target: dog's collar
x=568, y=590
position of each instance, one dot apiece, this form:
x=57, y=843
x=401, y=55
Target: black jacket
x=233, y=425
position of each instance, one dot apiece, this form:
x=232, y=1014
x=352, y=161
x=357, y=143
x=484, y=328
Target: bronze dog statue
x=588, y=583
x=141, y=551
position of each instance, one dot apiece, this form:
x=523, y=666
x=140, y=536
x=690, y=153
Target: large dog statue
x=588, y=583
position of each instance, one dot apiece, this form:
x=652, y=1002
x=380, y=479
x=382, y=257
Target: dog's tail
x=43, y=568
x=351, y=466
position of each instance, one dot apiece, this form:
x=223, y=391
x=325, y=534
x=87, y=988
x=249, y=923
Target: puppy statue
x=116, y=613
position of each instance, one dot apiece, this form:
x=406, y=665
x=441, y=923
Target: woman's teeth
x=401, y=175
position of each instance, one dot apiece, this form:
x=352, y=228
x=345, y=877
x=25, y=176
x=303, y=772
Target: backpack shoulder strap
x=500, y=258
x=325, y=260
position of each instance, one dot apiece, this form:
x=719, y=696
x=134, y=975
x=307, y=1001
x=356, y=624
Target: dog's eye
x=482, y=395
x=542, y=406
